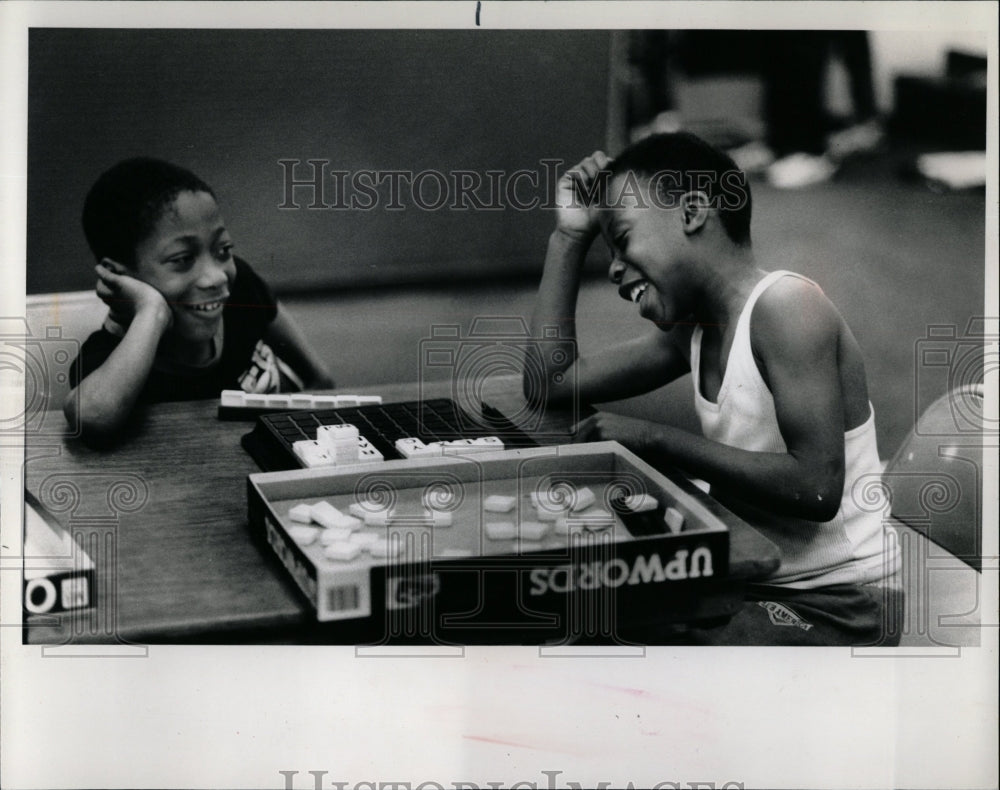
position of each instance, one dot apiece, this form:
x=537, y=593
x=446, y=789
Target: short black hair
x=127, y=200
x=683, y=162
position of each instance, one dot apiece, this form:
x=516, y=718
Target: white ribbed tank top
x=847, y=550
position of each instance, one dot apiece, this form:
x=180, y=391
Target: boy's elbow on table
x=98, y=423
x=100, y=432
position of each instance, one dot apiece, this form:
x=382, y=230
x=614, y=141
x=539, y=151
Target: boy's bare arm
x=637, y=366
x=286, y=338
x=798, y=348
x=103, y=400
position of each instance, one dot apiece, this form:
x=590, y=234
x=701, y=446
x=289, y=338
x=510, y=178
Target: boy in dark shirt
x=187, y=318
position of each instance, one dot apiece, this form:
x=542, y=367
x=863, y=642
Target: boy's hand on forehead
x=576, y=197
x=127, y=296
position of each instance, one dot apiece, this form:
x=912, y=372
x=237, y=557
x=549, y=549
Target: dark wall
x=229, y=104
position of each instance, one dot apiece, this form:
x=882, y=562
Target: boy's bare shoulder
x=795, y=315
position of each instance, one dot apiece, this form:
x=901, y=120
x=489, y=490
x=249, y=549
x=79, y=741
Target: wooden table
x=164, y=516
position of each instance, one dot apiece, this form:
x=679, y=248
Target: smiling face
x=188, y=258
x=649, y=248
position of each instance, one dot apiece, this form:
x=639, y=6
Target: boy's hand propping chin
x=127, y=297
x=575, y=217
x=632, y=433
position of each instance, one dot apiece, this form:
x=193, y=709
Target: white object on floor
x=800, y=170
x=858, y=139
x=752, y=157
x=957, y=170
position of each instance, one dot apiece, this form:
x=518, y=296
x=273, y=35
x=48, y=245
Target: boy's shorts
x=838, y=615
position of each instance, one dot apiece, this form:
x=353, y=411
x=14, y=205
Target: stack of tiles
x=336, y=445
x=340, y=442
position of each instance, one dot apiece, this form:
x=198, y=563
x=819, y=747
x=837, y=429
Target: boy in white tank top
x=779, y=382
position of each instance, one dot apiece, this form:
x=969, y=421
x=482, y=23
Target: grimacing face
x=188, y=258
x=647, y=245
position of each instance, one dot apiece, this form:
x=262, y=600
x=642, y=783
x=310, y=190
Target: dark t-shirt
x=246, y=362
